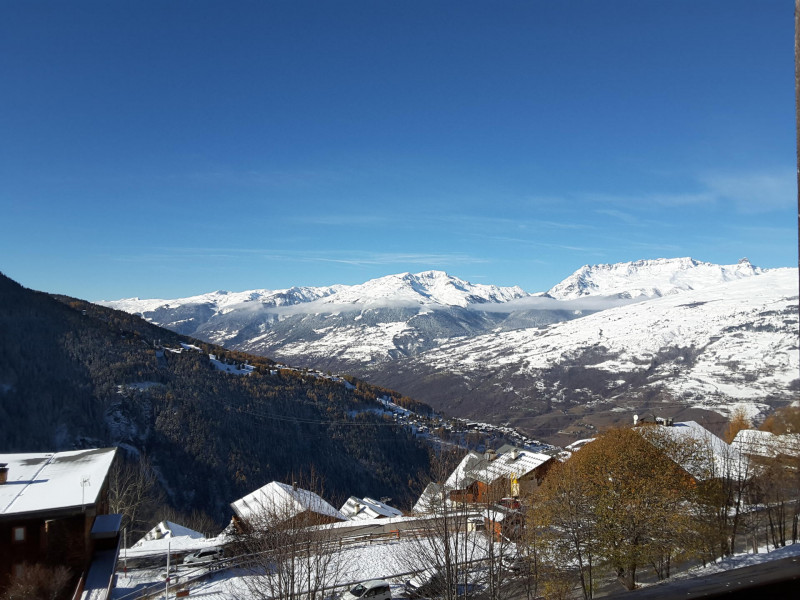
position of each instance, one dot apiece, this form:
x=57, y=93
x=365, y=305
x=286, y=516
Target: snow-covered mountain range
x=676, y=330
x=649, y=278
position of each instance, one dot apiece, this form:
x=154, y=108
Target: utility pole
x=169, y=551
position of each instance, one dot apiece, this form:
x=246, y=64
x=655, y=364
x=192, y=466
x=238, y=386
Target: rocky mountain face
x=672, y=335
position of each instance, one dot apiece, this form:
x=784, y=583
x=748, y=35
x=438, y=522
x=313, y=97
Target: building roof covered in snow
x=55, y=481
x=171, y=537
x=357, y=509
x=714, y=458
x=283, y=501
x=578, y=444
x=168, y=529
x=512, y=463
x=462, y=475
x=430, y=499
x=767, y=444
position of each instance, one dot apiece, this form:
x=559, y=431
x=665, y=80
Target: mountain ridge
x=467, y=355
x=649, y=278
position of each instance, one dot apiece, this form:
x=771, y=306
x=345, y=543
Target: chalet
x=278, y=502
x=54, y=511
x=487, y=478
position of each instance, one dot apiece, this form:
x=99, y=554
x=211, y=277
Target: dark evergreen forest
x=74, y=375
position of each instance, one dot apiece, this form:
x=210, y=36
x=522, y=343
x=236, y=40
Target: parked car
x=204, y=556
x=375, y=589
x=431, y=583
x=427, y=583
x=434, y=587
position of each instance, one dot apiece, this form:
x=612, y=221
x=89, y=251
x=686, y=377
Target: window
x=18, y=534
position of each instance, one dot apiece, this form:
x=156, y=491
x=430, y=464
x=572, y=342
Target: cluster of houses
x=54, y=506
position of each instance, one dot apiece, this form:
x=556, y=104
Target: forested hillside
x=73, y=374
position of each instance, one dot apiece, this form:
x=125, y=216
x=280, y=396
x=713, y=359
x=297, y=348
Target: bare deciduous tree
x=38, y=581
x=133, y=492
x=443, y=551
x=288, y=549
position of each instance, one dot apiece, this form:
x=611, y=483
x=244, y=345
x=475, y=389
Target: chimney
x=490, y=455
x=514, y=454
x=3, y=473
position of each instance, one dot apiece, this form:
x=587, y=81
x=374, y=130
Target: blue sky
x=164, y=149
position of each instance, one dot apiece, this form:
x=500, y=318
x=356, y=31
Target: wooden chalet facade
x=510, y=473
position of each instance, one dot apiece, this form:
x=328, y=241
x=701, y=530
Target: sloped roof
x=168, y=529
x=55, y=481
x=516, y=463
x=474, y=467
x=718, y=459
x=766, y=443
x=280, y=499
x=578, y=444
x=430, y=498
x=357, y=509
x=462, y=475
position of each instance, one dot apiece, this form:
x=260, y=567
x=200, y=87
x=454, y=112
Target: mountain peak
x=648, y=278
x=423, y=288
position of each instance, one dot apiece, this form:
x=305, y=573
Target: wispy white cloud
x=648, y=199
x=755, y=192
x=401, y=258
x=343, y=220
x=510, y=224
x=592, y=303
x=178, y=253
x=329, y=305
x=619, y=215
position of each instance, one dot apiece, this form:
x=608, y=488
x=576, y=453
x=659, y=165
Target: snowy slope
x=741, y=338
x=428, y=287
x=649, y=278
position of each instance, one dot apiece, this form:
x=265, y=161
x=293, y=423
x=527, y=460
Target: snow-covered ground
x=392, y=560
x=736, y=561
